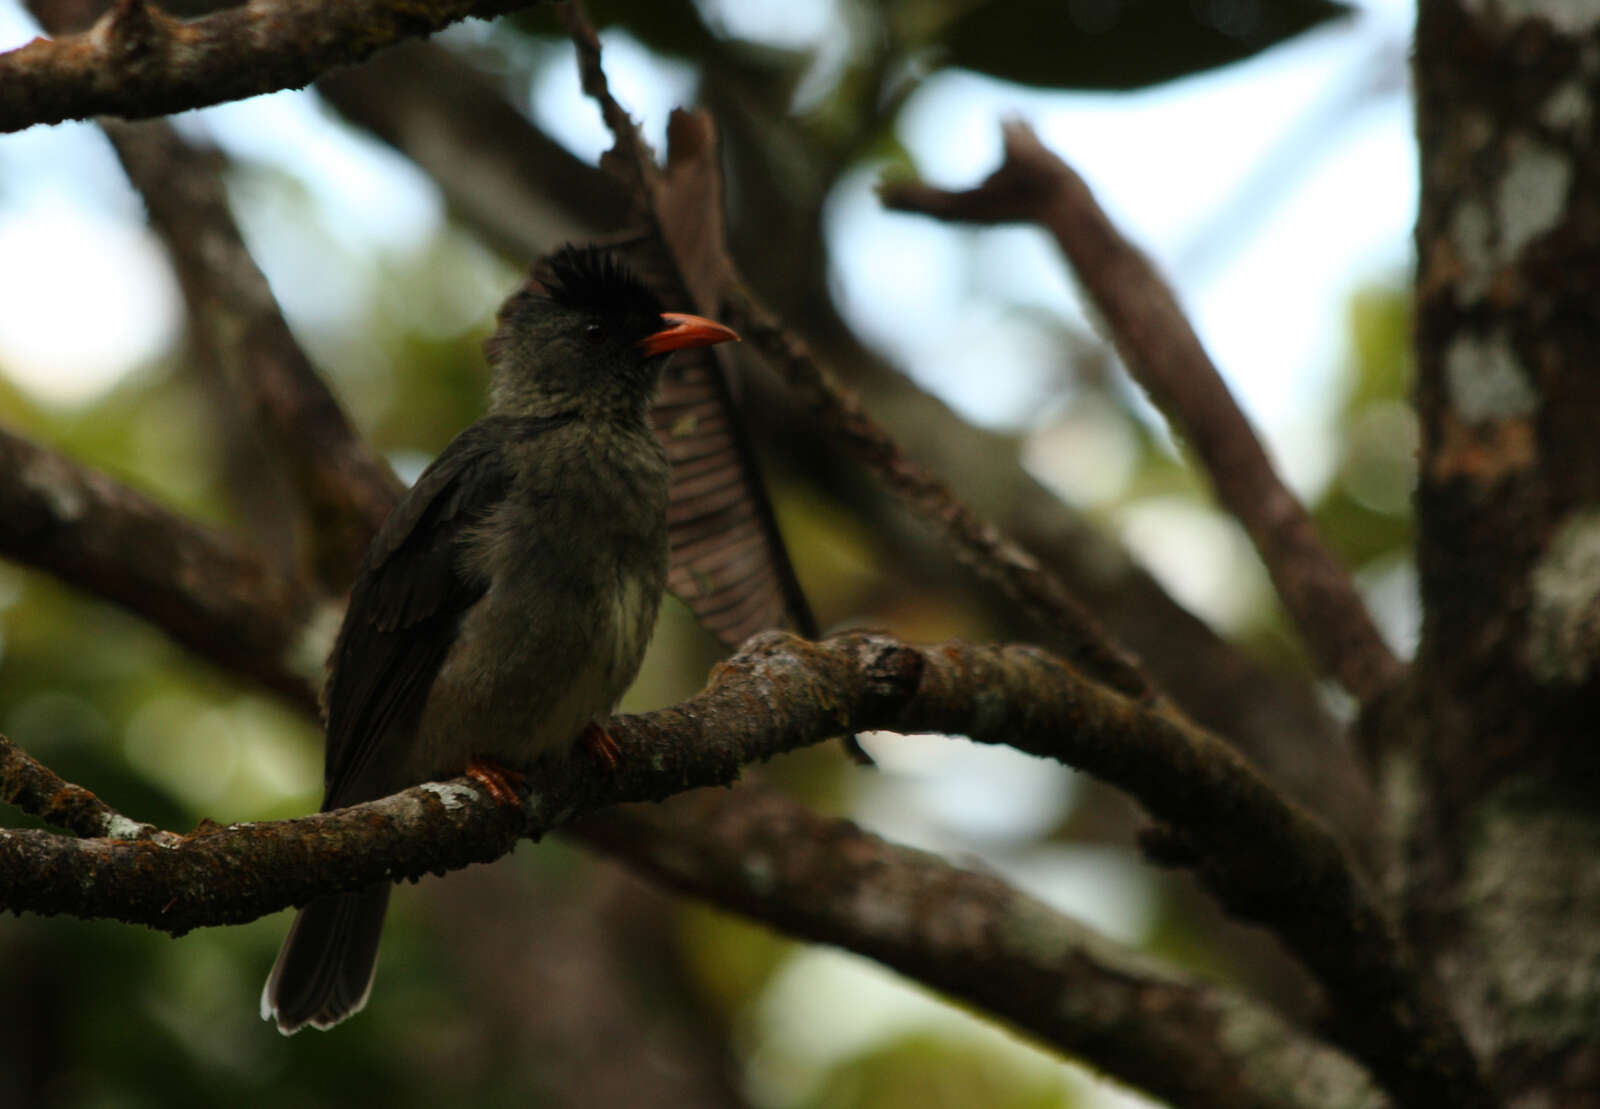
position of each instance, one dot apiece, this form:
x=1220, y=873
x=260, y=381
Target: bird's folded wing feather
x=406, y=607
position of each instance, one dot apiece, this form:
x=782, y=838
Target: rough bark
x=1492, y=760
x=137, y=61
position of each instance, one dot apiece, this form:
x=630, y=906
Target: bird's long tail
x=324, y=970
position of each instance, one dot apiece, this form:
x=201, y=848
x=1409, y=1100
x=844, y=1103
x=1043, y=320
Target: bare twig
x=1162, y=351
x=137, y=61
x=194, y=584
x=630, y=158
x=345, y=488
x=36, y=789
x=729, y=563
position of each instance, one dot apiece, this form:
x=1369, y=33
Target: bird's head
x=586, y=332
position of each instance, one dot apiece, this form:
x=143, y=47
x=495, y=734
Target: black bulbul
x=507, y=600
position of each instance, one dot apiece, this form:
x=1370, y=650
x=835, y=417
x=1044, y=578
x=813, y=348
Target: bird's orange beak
x=684, y=331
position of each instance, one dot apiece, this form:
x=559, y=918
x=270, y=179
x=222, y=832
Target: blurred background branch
x=195, y=584
x=971, y=935
x=345, y=492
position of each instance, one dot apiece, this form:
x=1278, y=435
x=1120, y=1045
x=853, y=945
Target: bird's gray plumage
x=508, y=598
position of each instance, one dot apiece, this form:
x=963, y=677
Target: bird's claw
x=601, y=745
x=502, y=783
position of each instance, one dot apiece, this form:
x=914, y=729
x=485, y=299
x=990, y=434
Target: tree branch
x=1163, y=353
x=777, y=694
x=136, y=61
x=195, y=584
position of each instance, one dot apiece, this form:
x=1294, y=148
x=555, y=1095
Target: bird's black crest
x=591, y=279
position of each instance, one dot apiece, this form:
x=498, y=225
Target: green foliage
x=729, y=959
x=936, y=1072
x=1367, y=510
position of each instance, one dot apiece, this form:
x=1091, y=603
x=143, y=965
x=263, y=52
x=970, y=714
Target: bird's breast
x=575, y=561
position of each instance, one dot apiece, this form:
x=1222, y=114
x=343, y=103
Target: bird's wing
x=406, y=606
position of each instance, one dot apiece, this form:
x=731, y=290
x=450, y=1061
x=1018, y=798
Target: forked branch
x=1165, y=356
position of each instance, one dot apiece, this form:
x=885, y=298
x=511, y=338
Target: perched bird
x=507, y=600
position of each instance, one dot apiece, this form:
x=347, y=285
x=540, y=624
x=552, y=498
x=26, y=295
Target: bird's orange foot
x=503, y=784
x=601, y=745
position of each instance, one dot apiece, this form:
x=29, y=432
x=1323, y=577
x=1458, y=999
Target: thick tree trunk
x=1491, y=762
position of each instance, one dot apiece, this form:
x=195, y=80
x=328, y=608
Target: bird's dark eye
x=594, y=334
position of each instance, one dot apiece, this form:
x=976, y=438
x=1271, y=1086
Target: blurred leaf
x=437, y=387
x=1358, y=533
x=936, y=1072
x=1380, y=335
x=1121, y=44
x=1367, y=511
x=729, y=959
